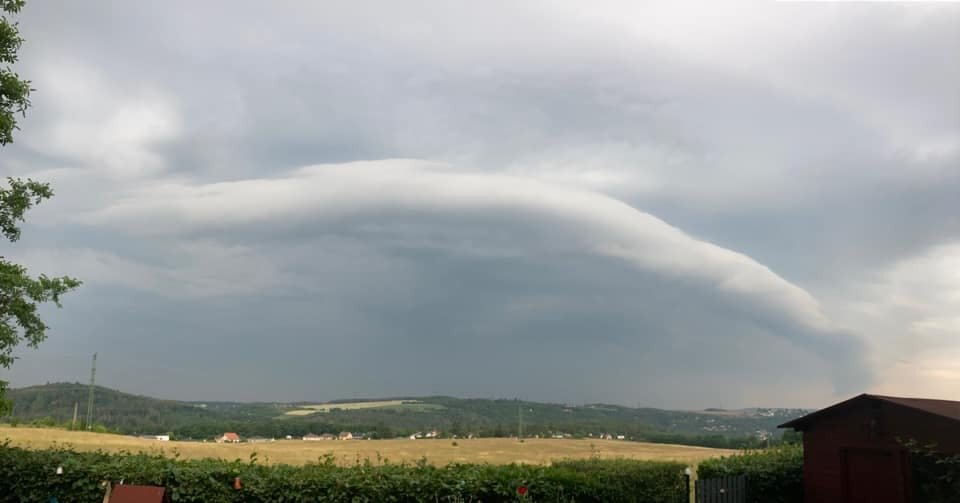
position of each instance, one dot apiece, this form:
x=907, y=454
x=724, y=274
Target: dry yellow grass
x=327, y=407
x=439, y=452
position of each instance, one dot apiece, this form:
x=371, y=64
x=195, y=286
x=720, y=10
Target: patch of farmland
x=305, y=410
x=416, y=406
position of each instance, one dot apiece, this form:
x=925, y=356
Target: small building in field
x=229, y=438
x=161, y=438
x=259, y=440
x=345, y=435
x=853, y=451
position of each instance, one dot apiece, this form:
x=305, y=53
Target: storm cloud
x=684, y=206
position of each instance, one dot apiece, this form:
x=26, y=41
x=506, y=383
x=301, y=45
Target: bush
x=774, y=475
x=31, y=476
x=936, y=475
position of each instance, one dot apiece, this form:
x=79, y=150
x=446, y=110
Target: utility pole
x=93, y=376
x=519, y=420
x=73, y=425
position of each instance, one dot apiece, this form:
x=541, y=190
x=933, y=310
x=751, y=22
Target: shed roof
x=945, y=408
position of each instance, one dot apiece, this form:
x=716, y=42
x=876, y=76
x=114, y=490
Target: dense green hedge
x=774, y=475
x=31, y=476
x=936, y=475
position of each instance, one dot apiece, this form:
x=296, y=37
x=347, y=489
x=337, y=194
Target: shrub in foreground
x=936, y=474
x=32, y=476
x=774, y=475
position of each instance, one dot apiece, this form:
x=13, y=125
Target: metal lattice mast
x=93, y=375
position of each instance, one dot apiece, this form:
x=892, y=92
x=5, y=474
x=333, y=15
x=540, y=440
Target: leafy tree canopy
x=14, y=91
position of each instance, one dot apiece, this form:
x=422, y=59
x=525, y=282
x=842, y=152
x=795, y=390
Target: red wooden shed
x=852, y=451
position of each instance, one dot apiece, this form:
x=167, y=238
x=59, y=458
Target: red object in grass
x=522, y=490
x=236, y=483
x=138, y=494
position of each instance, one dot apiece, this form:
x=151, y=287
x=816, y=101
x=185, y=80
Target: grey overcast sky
x=671, y=204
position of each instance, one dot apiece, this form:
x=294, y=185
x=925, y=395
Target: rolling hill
x=388, y=417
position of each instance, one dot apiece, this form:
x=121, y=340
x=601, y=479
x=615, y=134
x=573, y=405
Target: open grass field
x=439, y=452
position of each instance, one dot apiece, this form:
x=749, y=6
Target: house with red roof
x=228, y=437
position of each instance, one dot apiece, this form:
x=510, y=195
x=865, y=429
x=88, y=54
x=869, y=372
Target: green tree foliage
x=19, y=293
x=14, y=91
x=792, y=437
x=936, y=474
x=774, y=475
x=119, y=411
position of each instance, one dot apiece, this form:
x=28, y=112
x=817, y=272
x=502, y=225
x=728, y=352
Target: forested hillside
x=117, y=410
x=122, y=412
